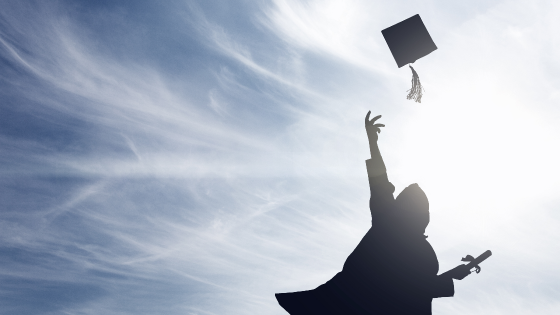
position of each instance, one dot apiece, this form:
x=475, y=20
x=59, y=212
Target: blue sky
x=195, y=157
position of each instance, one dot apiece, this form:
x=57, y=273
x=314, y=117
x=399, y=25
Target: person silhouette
x=393, y=270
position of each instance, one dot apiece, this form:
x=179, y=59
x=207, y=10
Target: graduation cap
x=409, y=41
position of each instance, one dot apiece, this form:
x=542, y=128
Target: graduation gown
x=391, y=271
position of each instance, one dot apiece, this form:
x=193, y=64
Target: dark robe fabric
x=392, y=270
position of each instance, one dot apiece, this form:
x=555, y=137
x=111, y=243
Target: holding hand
x=372, y=128
x=459, y=272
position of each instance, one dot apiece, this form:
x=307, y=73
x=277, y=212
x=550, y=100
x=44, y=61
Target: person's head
x=414, y=209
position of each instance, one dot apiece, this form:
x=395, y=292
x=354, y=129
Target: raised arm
x=375, y=165
x=380, y=187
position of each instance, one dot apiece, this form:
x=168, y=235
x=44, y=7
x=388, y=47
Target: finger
x=367, y=117
x=379, y=125
x=375, y=118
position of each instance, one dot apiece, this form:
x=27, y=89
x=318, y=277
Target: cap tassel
x=415, y=91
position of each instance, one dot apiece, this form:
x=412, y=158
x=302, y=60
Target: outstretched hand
x=459, y=272
x=372, y=128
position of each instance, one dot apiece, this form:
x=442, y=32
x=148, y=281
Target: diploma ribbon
x=473, y=262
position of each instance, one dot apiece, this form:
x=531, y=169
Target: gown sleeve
x=442, y=286
x=380, y=188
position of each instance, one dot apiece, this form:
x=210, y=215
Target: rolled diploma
x=479, y=259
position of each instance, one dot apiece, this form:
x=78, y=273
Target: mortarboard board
x=409, y=41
